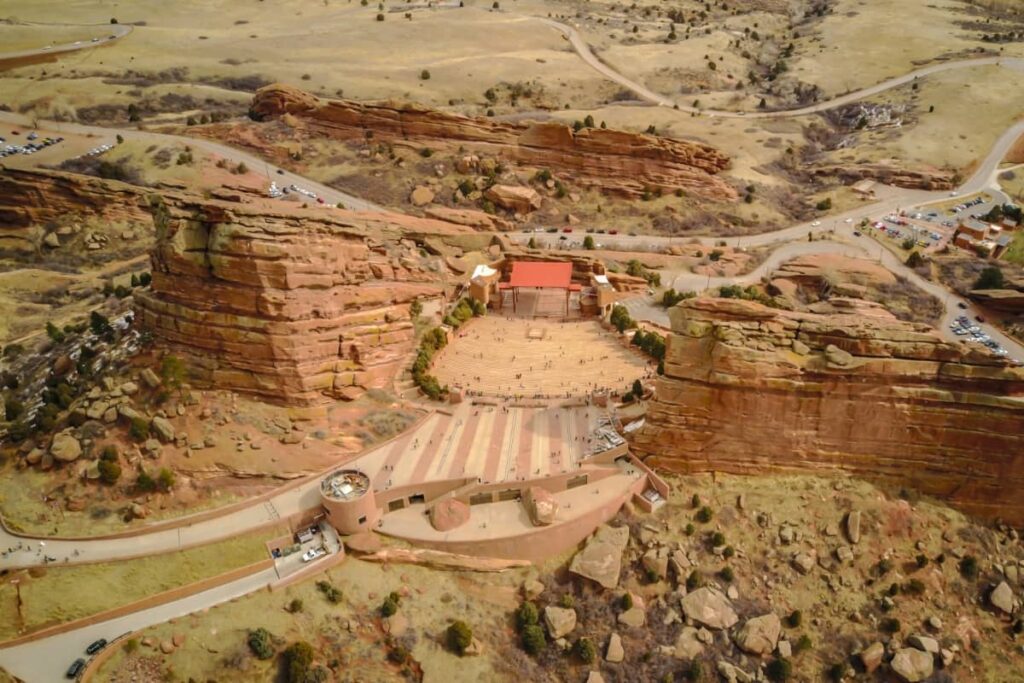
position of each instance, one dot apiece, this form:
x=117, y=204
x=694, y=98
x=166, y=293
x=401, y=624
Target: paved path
x=46, y=660
x=105, y=33
x=581, y=47
x=255, y=163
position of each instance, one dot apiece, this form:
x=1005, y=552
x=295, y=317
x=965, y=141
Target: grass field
x=1015, y=254
x=56, y=595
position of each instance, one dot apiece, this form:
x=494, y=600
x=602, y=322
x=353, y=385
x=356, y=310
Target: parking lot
x=308, y=545
x=972, y=331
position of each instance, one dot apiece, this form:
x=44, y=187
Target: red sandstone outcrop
x=1011, y=300
x=925, y=178
x=751, y=389
x=31, y=199
x=615, y=161
x=294, y=305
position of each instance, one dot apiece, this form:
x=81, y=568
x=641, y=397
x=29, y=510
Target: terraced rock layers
x=295, y=307
x=752, y=390
x=615, y=161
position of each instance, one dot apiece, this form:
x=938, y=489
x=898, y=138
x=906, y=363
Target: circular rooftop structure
x=348, y=498
x=345, y=485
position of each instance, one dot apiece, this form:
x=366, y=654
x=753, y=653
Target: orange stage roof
x=540, y=274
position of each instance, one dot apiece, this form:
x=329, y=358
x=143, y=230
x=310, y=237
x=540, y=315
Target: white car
x=849, y=220
x=815, y=224
x=312, y=554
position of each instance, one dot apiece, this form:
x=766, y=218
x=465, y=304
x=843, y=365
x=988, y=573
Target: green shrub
x=109, y=470
x=779, y=670
x=694, y=581
x=424, y=75
x=969, y=567
x=727, y=574
x=533, y=639
x=54, y=333
x=390, y=606
x=145, y=483
x=459, y=636
x=332, y=594
x=567, y=601
x=824, y=204
x=704, y=515
x=139, y=429
x=526, y=615
x=728, y=552
x=627, y=601
x=890, y=625
x=585, y=650
x=717, y=539
x=261, y=643
x=165, y=479
x=298, y=659
x=690, y=529
x=109, y=453
x=803, y=643
x=794, y=619
x=295, y=606
x=836, y=672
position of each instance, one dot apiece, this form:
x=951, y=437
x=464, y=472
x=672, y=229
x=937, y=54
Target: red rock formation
x=615, y=161
x=751, y=389
x=925, y=178
x=294, y=306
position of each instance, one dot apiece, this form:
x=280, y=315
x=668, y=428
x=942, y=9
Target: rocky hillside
x=615, y=161
x=751, y=389
x=292, y=306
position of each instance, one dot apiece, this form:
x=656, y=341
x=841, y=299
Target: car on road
x=856, y=233
x=96, y=646
x=320, y=200
x=979, y=318
x=75, y=668
x=961, y=304
x=849, y=220
x=312, y=554
x=815, y=224
x=280, y=171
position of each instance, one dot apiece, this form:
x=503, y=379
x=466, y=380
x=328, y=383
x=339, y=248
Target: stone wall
x=751, y=389
x=294, y=306
x=615, y=161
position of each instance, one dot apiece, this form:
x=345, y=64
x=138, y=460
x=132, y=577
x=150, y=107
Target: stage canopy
x=541, y=275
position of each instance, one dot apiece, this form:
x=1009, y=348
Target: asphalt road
x=47, y=660
x=582, y=49
x=109, y=135
x=104, y=33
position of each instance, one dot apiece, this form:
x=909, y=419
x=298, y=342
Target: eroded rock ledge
x=293, y=306
x=751, y=390
x=615, y=161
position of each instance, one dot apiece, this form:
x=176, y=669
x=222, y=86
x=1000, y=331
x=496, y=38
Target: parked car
x=76, y=668
x=312, y=554
x=96, y=646
x=961, y=304
x=979, y=318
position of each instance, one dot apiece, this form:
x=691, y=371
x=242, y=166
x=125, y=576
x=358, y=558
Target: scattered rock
x=688, y=644
x=559, y=620
x=760, y=635
x=65, y=447
x=924, y=643
x=595, y=677
x=149, y=378
x=615, y=652
x=913, y=665
x=532, y=589
x=540, y=505
x=421, y=196
x=853, y=526
x=1001, y=598
x=634, y=617
x=601, y=558
x=167, y=647
x=449, y=514
x=710, y=608
x=871, y=656
x=803, y=563
x=162, y=428
x=129, y=388
x=518, y=199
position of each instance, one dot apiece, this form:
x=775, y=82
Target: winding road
x=579, y=44
x=107, y=33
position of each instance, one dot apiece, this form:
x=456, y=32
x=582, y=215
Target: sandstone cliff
x=292, y=306
x=612, y=160
x=751, y=389
x=924, y=178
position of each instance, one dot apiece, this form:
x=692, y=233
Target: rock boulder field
x=615, y=161
x=866, y=394
x=601, y=558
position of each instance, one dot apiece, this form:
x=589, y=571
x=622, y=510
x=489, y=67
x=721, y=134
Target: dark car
x=280, y=171
x=75, y=668
x=961, y=304
x=96, y=646
x=856, y=233
x=979, y=318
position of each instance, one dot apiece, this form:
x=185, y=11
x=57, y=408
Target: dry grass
x=54, y=595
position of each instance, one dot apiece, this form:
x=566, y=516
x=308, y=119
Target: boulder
x=65, y=447
x=532, y=589
x=601, y=558
x=595, y=677
x=162, y=428
x=149, y=378
x=449, y=514
x=760, y=635
x=853, y=526
x=634, y=617
x=540, y=505
x=924, y=643
x=167, y=647
x=688, y=644
x=913, y=665
x=655, y=561
x=514, y=198
x=560, y=621
x=709, y=607
x=421, y=196
x=1001, y=598
x=803, y=563
x=129, y=388
x=615, y=652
